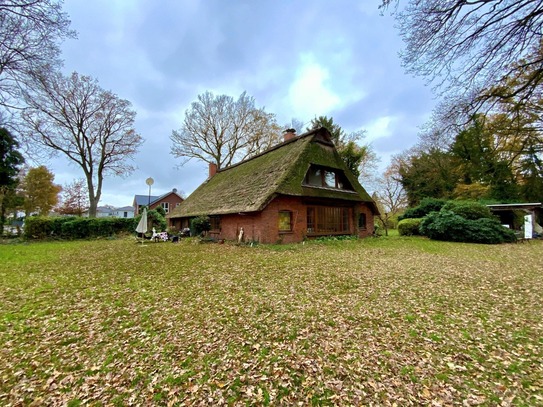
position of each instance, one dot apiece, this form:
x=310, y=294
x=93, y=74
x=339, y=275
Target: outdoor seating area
x=160, y=236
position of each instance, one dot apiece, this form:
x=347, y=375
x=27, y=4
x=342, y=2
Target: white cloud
x=379, y=128
x=310, y=94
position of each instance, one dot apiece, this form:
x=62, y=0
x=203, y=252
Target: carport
x=513, y=215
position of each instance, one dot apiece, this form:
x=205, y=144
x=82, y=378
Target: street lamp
x=149, y=181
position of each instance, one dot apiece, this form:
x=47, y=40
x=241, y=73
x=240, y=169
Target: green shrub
x=76, y=227
x=155, y=220
x=102, y=227
x=56, y=225
x=409, y=227
x=487, y=227
x=199, y=225
x=469, y=209
x=122, y=225
x=448, y=226
x=37, y=227
x=426, y=206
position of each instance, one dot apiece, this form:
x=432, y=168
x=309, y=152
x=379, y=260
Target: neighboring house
x=124, y=212
x=101, y=212
x=142, y=200
x=296, y=190
x=168, y=201
x=111, y=212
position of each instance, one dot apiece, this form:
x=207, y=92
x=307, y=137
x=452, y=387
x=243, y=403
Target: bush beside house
x=426, y=206
x=455, y=221
x=448, y=226
x=200, y=225
x=469, y=210
x=155, y=219
x=409, y=227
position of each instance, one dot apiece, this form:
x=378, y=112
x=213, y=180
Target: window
x=362, y=221
x=166, y=206
x=327, y=220
x=285, y=221
x=314, y=176
x=215, y=223
x=327, y=178
x=125, y=214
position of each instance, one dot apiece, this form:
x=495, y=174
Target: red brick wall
x=263, y=227
x=364, y=208
x=232, y=224
x=172, y=199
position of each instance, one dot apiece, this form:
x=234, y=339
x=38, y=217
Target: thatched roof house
x=295, y=190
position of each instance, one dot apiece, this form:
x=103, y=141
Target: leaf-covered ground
x=390, y=321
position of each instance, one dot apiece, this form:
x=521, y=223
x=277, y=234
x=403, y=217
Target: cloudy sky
x=297, y=58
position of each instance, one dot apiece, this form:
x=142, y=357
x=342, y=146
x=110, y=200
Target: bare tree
x=30, y=33
x=92, y=127
x=265, y=134
x=390, y=196
x=74, y=198
x=467, y=47
x=221, y=130
x=295, y=124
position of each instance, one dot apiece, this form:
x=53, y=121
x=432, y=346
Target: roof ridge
x=272, y=148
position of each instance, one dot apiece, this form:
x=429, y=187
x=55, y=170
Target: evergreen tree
x=10, y=162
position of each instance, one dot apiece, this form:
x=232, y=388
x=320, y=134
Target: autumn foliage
x=383, y=322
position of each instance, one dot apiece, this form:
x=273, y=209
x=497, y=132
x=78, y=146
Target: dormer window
x=327, y=178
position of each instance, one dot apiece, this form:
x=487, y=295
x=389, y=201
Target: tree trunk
x=92, y=207
x=93, y=201
x=94, y=197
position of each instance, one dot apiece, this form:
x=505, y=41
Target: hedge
x=469, y=209
x=409, y=227
x=448, y=226
x=426, y=206
x=37, y=227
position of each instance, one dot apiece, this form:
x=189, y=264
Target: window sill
x=348, y=191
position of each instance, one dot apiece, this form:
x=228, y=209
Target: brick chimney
x=212, y=169
x=289, y=134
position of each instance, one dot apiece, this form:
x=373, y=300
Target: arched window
x=285, y=221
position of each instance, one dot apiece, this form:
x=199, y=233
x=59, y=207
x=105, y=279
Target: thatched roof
x=251, y=184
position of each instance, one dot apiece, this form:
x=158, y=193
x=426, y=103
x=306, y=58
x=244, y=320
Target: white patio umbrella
x=142, y=225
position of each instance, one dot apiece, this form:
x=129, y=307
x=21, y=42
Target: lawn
x=371, y=322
